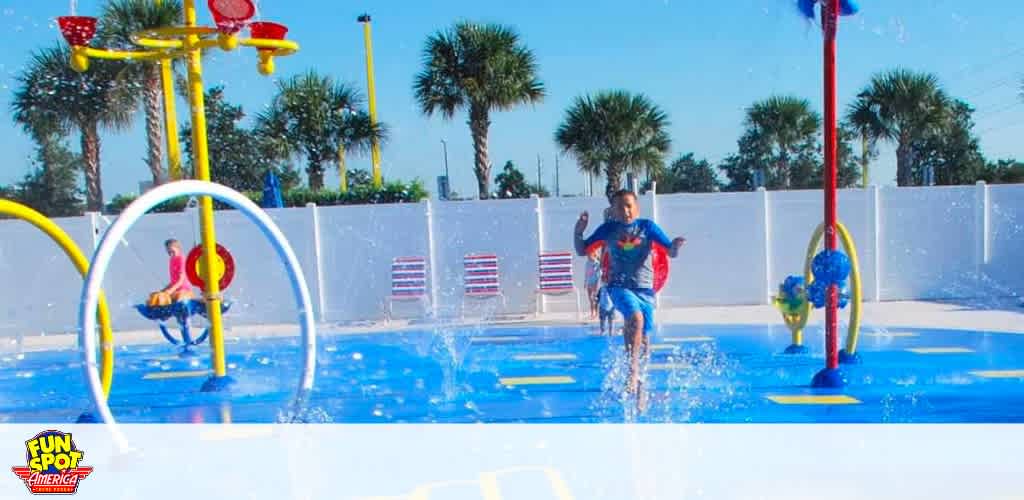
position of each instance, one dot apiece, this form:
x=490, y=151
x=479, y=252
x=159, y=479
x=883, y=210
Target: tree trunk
x=479, y=122
x=315, y=172
x=91, y=157
x=152, y=95
x=614, y=175
x=342, y=170
x=784, y=167
x=904, y=175
x=865, y=160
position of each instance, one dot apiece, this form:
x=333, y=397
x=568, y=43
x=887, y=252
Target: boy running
x=631, y=274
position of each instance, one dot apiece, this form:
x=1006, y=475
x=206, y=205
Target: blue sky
x=703, y=62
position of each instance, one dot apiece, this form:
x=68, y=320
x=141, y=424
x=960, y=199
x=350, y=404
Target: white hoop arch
x=105, y=251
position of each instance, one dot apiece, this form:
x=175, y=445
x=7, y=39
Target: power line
x=993, y=111
x=959, y=75
x=1002, y=127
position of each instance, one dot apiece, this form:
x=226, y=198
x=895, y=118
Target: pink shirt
x=177, y=271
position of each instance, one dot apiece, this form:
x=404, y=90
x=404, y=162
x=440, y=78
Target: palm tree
x=321, y=119
x=480, y=68
x=862, y=121
x=904, y=107
x=613, y=132
x=121, y=19
x=52, y=95
x=783, y=124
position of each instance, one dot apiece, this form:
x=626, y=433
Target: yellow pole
x=342, y=169
x=70, y=249
x=371, y=91
x=201, y=160
x=170, y=121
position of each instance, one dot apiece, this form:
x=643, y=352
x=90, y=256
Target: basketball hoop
x=231, y=15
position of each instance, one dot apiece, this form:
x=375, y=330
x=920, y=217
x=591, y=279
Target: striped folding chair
x=555, y=278
x=480, y=278
x=408, y=282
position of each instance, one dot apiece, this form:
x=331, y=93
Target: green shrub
x=390, y=192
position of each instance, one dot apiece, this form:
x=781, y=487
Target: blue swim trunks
x=629, y=301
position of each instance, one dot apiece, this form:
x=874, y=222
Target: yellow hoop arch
x=853, y=329
x=61, y=238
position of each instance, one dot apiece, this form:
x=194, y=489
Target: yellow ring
x=281, y=47
x=131, y=55
x=171, y=37
x=853, y=330
x=70, y=249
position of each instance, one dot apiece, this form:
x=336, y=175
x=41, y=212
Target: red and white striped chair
x=408, y=282
x=555, y=278
x=480, y=278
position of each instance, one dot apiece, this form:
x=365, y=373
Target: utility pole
x=557, y=190
x=538, y=174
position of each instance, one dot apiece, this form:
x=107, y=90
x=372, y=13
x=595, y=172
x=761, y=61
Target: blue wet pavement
x=717, y=374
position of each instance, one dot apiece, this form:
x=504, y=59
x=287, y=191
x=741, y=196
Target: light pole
x=447, y=178
x=557, y=186
x=538, y=175
x=371, y=92
x=444, y=145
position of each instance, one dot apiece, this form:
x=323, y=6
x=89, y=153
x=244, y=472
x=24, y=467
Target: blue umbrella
x=271, y=191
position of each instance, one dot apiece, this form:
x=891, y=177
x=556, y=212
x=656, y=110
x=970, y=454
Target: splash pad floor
x=698, y=373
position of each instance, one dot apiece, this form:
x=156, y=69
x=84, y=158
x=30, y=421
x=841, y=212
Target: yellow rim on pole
x=61, y=238
x=853, y=330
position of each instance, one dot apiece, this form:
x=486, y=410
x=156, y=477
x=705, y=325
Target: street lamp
x=444, y=145
x=445, y=189
x=371, y=92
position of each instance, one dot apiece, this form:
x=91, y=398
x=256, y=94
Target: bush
x=390, y=192
x=121, y=201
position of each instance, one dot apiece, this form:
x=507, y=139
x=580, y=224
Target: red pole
x=830, y=24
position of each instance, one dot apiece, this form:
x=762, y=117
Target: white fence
x=914, y=243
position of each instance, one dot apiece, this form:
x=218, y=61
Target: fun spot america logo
x=54, y=464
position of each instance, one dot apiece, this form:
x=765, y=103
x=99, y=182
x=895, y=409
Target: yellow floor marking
x=679, y=340
x=542, y=380
x=940, y=350
x=507, y=338
x=999, y=373
x=668, y=366
x=837, y=399
x=544, y=357
x=171, y=375
x=165, y=358
x=885, y=335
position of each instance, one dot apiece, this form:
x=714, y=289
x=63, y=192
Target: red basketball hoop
x=230, y=16
x=77, y=30
x=268, y=30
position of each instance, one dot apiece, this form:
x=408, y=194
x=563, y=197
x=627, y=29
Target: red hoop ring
x=193, y=274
